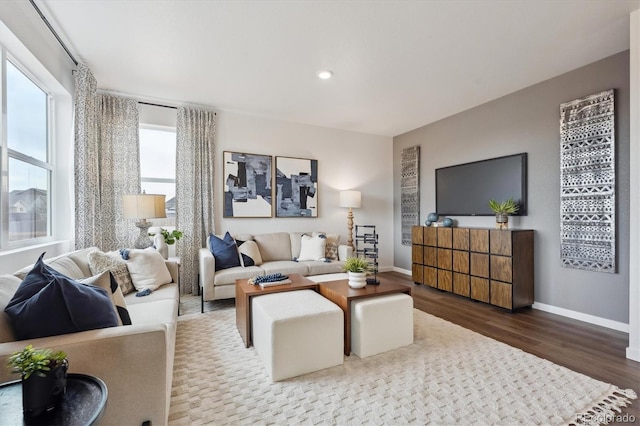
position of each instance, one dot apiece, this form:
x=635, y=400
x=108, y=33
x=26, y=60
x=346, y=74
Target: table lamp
x=351, y=200
x=142, y=207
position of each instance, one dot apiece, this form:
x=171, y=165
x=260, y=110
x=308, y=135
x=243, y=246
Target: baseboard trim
x=402, y=271
x=633, y=353
x=591, y=319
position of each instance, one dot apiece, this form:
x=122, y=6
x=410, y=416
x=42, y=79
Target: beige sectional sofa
x=135, y=361
x=277, y=250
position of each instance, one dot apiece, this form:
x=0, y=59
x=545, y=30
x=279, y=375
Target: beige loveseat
x=277, y=250
x=135, y=361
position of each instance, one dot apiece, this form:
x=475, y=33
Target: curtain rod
x=158, y=105
x=55, y=34
x=163, y=106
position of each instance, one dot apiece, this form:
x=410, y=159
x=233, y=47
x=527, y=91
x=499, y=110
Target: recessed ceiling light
x=325, y=74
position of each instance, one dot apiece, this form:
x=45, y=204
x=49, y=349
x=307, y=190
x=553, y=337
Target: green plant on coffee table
x=171, y=237
x=506, y=207
x=356, y=264
x=39, y=361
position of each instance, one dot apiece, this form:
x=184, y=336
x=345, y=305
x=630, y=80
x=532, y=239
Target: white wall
x=346, y=160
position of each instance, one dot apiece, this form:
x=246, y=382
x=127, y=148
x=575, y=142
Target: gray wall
x=528, y=121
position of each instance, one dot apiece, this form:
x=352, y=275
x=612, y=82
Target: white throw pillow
x=147, y=269
x=312, y=248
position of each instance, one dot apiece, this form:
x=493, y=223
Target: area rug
x=449, y=375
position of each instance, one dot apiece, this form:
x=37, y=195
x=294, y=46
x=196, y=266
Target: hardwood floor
x=595, y=351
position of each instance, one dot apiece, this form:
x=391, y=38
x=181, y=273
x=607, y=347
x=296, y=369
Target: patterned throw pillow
x=249, y=252
x=331, y=245
x=100, y=262
x=107, y=282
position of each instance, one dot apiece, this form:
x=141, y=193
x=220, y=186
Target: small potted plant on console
x=502, y=211
x=44, y=379
x=357, y=269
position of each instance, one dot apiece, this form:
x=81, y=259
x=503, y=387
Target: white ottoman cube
x=297, y=332
x=379, y=324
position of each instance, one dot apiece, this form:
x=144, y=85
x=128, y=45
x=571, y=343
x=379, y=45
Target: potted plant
x=502, y=211
x=164, y=239
x=356, y=268
x=44, y=378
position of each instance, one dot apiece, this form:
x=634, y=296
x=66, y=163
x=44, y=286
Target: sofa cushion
x=66, y=266
x=100, y=262
x=225, y=251
x=274, y=246
x=8, y=286
x=81, y=258
x=166, y=292
x=229, y=276
x=312, y=248
x=317, y=268
x=107, y=282
x=148, y=269
x=62, y=264
x=249, y=252
x=48, y=303
x=285, y=267
x=296, y=238
x=162, y=311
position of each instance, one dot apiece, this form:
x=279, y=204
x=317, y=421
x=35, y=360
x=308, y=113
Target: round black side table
x=83, y=404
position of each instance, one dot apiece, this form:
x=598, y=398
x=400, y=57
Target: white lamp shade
x=351, y=199
x=143, y=206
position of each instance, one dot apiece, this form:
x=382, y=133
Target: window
x=27, y=169
x=158, y=165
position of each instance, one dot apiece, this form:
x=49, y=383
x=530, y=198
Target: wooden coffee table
x=246, y=291
x=342, y=295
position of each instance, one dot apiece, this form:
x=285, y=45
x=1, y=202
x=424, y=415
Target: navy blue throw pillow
x=48, y=303
x=225, y=251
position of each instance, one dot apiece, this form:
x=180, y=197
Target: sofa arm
x=131, y=360
x=207, y=268
x=174, y=270
x=344, y=252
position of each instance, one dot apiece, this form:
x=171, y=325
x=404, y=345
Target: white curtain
x=107, y=166
x=195, y=148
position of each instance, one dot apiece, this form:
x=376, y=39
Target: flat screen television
x=465, y=189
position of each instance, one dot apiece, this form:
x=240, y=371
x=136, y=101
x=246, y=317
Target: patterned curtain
x=86, y=154
x=195, y=148
x=107, y=166
x=119, y=168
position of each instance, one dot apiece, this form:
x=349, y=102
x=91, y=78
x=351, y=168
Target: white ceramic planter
x=357, y=279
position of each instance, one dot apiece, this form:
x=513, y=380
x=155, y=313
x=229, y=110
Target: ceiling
x=398, y=65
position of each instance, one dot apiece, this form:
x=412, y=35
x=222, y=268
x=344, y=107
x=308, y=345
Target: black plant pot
x=41, y=395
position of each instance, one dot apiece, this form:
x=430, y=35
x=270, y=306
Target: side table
x=176, y=259
x=84, y=403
